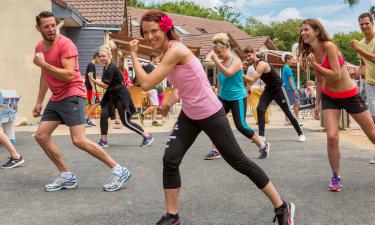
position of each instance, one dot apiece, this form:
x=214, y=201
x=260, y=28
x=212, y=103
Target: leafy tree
x=187, y=8
x=229, y=14
x=343, y=41
x=136, y=3
x=283, y=34
x=352, y=3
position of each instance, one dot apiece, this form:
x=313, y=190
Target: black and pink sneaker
x=335, y=185
x=285, y=214
x=169, y=219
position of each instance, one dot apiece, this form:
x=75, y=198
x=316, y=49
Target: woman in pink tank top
x=201, y=111
x=335, y=90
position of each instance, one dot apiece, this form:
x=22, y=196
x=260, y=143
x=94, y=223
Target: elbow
x=69, y=76
x=145, y=87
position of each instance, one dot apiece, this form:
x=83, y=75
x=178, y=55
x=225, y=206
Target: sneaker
x=372, y=161
x=169, y=219
x=264, y=152
x=13, y=163
x=335, y=184
x=212, y=154
x=301, y=138
x=103, y=144
x=141, y=117
x=13, y=141
x=117, y=125
x=87, y=122
x=156, y=124
x=62, y=183
x=285, y=214
x=92, y=124
x=117, y=180
x=147, y=141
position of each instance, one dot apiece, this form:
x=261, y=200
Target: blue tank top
x=233, y=87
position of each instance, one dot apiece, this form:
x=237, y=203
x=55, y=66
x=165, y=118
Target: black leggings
x=217, y=127
x=124, y=117
x=279, y=95
x=238, y=109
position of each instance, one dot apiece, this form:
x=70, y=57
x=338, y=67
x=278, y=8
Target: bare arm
x=365, y=54
x=231, y=70
x=43, y=88
x=334, y=73
x=97, y=82
x=291, y=83
x=254, y=76
x=65, y=74
x=171, y=58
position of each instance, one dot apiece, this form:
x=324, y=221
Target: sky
x=334, y=14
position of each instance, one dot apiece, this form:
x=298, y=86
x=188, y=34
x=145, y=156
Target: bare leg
x=91, y=109
x=270, y=191
x=259, y=142
x=172, y=199
x=331, y=121
x=104, y=137
x=81, y=141
x=8, y=145
x=364, y=120
x=43, y=137
x=295, y=108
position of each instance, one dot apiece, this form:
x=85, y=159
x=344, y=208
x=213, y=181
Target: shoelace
x=277, y=214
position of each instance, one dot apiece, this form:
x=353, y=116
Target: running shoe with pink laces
x=335, y=184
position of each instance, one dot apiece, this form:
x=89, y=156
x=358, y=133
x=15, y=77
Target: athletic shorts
x=70, y=111
x=92, y=99
x=292, y=97
x=352, y=105
x=370, y=93
x=153, y=97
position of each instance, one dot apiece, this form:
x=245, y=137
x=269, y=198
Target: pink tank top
x=198, y=99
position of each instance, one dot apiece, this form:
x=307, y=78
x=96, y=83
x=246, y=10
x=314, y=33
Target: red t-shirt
x=62, y=48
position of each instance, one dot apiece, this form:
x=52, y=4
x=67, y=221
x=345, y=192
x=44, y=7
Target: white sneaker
x=118, y=179
x=62, y=183
x=372, y=161
x=301, y=138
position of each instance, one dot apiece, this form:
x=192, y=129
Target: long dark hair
x=305, y=49
x=155, y=16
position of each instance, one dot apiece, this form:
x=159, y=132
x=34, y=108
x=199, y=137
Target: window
x=135, y=22
x=181, y=30
x=202, y=30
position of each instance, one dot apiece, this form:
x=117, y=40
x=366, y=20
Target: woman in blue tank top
x=232, y=93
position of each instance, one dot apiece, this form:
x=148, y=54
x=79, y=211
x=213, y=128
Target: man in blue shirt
x=290, y=85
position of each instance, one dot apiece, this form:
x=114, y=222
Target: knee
x=170, y=164
x=332, y=139
x=79, y=141
x=261, y=110
x=41, y=138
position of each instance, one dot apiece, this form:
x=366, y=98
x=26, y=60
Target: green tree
x=136, y=3
x=343, y=41
x=284, y=34
x=352, y=3
x=229, y=14
x=186, y=8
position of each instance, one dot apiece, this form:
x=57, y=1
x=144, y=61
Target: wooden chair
x=137, y=97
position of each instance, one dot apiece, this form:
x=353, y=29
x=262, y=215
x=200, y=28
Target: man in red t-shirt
x=57, y=57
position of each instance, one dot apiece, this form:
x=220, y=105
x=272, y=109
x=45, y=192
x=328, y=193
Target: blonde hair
x=221, y=40
x=310, y=83
x=106, y=49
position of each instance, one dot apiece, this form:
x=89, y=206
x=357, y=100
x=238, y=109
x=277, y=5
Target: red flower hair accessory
x=165, y=23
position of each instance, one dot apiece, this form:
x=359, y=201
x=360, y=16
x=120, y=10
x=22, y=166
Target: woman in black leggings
x=273, y=91
x=116, y=96
x=201, y=111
